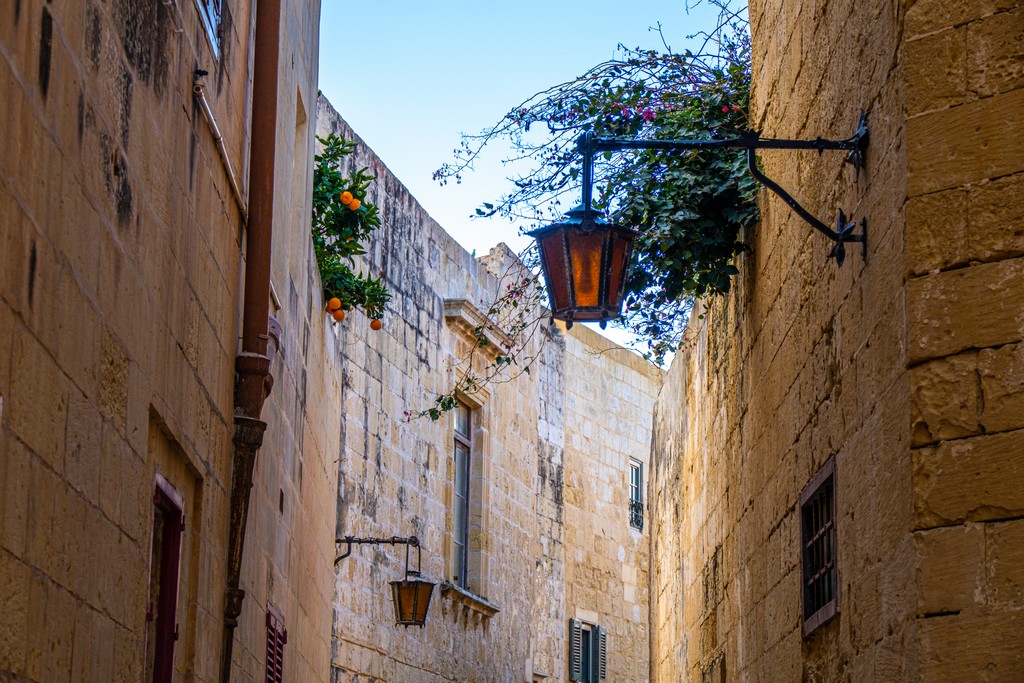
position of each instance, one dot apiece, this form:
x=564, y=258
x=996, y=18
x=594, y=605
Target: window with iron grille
x=818, y=539
x=210, y=12
x=277, y=636
x=165, y=556
x=636, y=494
x=588, y=652
x=463, y=442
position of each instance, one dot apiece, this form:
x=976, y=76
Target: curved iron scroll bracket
x=411, y=541
x=843, y=232
x=856, y=147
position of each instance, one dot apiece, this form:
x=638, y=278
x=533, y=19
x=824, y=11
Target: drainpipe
x=252, y=379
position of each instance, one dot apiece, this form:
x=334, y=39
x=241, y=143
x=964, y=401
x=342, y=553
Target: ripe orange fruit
x=375, y=325
x=334, y=304
x=346, y=197
x=338, y=315
x=354, y=204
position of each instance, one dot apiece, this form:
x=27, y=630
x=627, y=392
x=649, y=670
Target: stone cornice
x=463, y=317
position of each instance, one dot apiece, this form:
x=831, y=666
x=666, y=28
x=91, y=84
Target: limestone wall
x=609, y=399
x=289, y=549
x=120, y=245
x=394, y=475
x=904, y=368
x=531, y=437
x=802, y=362
x=965, y=242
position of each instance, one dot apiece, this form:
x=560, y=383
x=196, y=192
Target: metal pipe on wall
x=253, y=381
x=199, y=90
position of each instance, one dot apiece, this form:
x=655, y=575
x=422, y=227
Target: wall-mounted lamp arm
x=349, y=541
x=856, y=145
x=840, y=236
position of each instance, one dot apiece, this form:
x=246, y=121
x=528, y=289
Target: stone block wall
x=801, y=363
x=534, y=441
x=394, y=475
x=120, y=263
x=289, y=551
x=905, y=368
x=609, y=399
x=965, y=244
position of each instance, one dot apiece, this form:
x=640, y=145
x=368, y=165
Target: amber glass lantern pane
x=584, y=261
x=585, y=253
x=412, y=599
x=617, y=271
x=554, y=262
x=424, y=589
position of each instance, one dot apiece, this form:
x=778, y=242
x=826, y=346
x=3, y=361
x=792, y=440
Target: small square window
x=818, y=549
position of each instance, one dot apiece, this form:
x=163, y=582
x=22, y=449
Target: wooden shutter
x=601, y=660
x=168, y=525
x=575, y=650
x=277, y=636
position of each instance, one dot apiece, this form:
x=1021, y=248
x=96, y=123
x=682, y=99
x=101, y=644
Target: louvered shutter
x=601, y=660
x=277, y=636
x=575, y=650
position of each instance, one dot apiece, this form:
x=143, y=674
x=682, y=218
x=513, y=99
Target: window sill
x=467, y=599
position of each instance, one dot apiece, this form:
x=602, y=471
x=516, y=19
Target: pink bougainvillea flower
x=726, y=109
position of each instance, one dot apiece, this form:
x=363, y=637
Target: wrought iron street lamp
x=411, y=593
x=585, y=259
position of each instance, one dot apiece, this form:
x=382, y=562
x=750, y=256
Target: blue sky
x=410, y=76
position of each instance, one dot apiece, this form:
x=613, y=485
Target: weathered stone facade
x=120, y=261
x=123, y=254
x=964, y=75
x=608, y=410
x=550, y=534
x=121, y=245
x=906, y=369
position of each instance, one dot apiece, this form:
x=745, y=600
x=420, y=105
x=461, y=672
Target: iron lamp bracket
x=411, y=593
x=856, y=147
x=408, y=542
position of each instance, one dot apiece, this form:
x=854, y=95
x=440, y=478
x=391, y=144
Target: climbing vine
x=690, y=208
x=515, y=314
x=342, y=219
